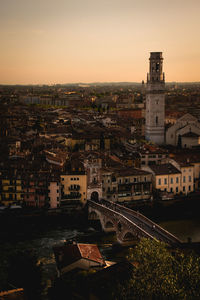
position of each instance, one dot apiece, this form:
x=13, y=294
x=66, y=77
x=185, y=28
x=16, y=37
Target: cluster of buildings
x=59, y=178
x=117, y=145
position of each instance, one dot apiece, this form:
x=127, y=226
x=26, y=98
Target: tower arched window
x=156, y=120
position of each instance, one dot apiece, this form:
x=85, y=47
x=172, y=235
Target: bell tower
x=155, y=100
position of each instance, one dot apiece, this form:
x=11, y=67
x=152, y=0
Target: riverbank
x=26, y=224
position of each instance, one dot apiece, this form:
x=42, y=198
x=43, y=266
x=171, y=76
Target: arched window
x=156, y=120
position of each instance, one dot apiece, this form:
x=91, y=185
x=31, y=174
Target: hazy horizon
x=64, y=41
x=97, y=82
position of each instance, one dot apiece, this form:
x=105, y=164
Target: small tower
x=155, y=100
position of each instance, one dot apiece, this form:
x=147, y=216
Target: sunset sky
x=64, y=41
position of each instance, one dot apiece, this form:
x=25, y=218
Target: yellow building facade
x=11, y=192
x=170, y=183
x=74, y=189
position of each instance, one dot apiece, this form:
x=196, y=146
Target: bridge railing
x=117, y=207
x=101, y=207
x=148, y=221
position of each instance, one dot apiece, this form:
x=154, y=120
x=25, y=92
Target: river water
x=184, y=229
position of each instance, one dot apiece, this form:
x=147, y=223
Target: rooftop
x=69, y=253
x=164, y=169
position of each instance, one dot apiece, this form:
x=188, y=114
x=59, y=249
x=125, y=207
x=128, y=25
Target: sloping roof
x=190, y=134
x=91, y=251
x=131, y=172
x=15, y=294
x=187, y=117
x=164, y=169
x=67, y=254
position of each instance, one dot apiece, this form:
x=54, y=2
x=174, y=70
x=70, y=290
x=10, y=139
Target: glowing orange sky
x=63, y=41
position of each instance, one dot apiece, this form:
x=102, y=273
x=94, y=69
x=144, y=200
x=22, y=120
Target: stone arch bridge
x=128, y=224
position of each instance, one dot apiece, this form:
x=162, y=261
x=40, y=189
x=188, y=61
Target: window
x=190, y=179
x=183, y=188
x=63, y=179
x=156, y=119
x=159, y=181
x=171, y=180
x=176, y=189
x=165, y=181
x=171, y=190
x=189, y=188
x=71, y=178
x=176, y=179
x=183, y=178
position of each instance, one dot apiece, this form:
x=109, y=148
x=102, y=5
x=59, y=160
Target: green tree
x=153, y=276
x=159, y=274
x=187, y=269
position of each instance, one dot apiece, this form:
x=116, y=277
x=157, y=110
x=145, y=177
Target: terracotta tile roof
x=69, y=253
x=131, y=172
x=91, y=252
x=164, y=169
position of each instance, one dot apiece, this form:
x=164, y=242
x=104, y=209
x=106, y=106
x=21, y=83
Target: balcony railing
x=74, y=188
x=72, y=196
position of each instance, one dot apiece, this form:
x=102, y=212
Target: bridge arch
x=109, y=224
x=119, y=227
x=93, y=215
x=128, y=224
x=129, y=236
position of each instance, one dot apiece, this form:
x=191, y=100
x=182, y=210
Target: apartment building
x=73, y=190
x=11, y=190
x=126, y=185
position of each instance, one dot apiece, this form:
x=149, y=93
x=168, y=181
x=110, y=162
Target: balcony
x=74, y=188
x=73, y=195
